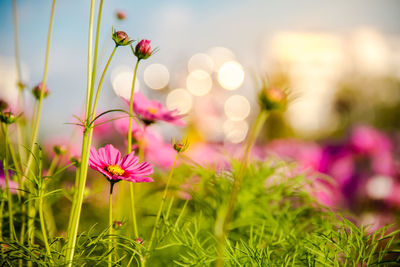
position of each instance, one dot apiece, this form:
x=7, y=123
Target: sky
x=178, y=28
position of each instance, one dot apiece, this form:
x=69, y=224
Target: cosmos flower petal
x=107, y=161
x=129, y=160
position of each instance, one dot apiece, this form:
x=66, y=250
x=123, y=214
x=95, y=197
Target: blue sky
x=178, y=28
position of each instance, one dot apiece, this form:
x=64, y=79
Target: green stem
x=164, y=197
x=16, y=41
x=43, y=226
x=101, y=83
x=131, y=185
x=8, y=192
x=78, y=197
x=221, y=227
x=36, y=126
x=1, y=218
x=96, y=46
x=110, y=224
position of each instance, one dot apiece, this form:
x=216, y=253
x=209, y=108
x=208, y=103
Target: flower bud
x=59, y=150
x=36, y=91
x=121, y=15
x=121, y=38
x=139, y=240
x=21, y=85
x=272, y=99
x=117, y=224
x=180, y=146
x=76, y=161
x=8, y=117
x=3, y=105
x=143, y=49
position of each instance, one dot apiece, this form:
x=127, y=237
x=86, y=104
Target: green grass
x=275, y=224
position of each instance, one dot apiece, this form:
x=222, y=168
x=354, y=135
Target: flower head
x=272, y=99
x=36, y=91
x=8, y=117
x=150, y=111
x=143, y=49
x=180, y=146
x=108, y=161
x=121, y=38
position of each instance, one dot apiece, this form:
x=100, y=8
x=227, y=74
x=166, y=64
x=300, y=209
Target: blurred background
x=340, y=60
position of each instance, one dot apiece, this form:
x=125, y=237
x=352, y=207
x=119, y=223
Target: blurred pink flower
x=367, y=140
x=150, y=111
x=206, y=154
x=156, y=150
x=108, y=161
x=308, y=155
x=186, y=189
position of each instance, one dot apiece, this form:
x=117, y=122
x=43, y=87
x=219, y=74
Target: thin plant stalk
x=8, y=192
x=95, y=54
x=78, y=197
x=164, y=197
x=131, y=185
x=110, y=224
x=79, y=185
x=222, y=223
x=35, y=131
x=42, y=224
x=20, y=123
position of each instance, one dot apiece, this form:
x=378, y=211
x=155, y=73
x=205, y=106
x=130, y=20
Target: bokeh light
x=199, y=82
x=220, y=55
x=379, y=187
x=121, y=80
x=201, y=61
x=235, y=131
x=179, y=99
x=156, y=76
x=231, y=75
x=237, y=108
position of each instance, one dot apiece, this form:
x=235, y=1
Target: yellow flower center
x=115, y=169
x=152, y=110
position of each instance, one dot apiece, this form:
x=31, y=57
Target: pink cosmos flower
x=108, y=161
x=150, y=111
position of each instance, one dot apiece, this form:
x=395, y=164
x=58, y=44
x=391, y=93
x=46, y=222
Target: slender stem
x=164, y=197
x=110, y=224
x=222, y=223
x=131, y=108
x=131, y=185
x=43, y=226
x=36, y=126
x=96, y=46
x=16, y=41
x=78, y=197
x=53, y=165
x=8, y=192
x=101, y=83
x=1, y=217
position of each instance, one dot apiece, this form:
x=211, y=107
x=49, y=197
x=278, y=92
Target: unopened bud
x=143, y=49
x=180, y=146
x=8, y=117
x=121, y=38
x=59, y=150
x=117, y=224
x=36, y=91
x=121, y=15
x=272, y=99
